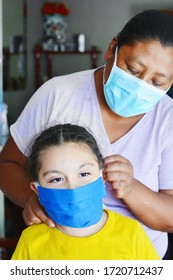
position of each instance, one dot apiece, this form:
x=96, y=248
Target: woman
x=130, y=116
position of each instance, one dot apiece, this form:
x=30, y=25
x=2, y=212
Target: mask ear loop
x=115, y=62
x=116, y=53
x=36, y=184
x=101, y=176
x=101, y=173
x=104, y=75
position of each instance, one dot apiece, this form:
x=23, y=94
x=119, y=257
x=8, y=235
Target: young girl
x=66, y=165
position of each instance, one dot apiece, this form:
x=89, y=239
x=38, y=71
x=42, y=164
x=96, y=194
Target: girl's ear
x=111, y=49
x=34, y=187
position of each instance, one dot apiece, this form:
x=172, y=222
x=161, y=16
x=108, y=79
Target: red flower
x=55, y=8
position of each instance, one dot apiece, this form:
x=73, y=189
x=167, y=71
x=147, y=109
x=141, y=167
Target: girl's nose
x=72, y=184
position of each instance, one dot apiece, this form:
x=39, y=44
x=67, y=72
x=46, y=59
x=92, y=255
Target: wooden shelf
x=39, y=51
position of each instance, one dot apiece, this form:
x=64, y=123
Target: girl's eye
x=55, y=180
x=84, y=174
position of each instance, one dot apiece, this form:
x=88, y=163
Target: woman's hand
x=33, y=213
x=118, y=171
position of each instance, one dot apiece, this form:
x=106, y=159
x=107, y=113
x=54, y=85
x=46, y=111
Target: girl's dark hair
x=57, y=135
x=148, y=25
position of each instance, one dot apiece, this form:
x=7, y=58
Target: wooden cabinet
x=39, y=52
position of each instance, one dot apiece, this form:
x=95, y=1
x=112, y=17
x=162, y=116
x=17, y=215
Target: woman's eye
x=156, y=84
x=133, y=72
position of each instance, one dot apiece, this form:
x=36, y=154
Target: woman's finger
x=33, y=213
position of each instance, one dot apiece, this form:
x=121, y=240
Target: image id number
x=130, y=270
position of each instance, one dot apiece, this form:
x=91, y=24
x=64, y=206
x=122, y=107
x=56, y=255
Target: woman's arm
x=154, y=209
x=14, y=177
x=15, y=183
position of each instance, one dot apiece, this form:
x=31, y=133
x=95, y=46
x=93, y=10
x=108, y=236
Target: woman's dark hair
x=57, y=135
x=146, y=26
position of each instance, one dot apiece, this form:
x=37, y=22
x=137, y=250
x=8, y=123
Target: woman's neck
x=87, y=231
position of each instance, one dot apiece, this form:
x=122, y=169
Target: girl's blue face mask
x=80, y=207
x=129, y=96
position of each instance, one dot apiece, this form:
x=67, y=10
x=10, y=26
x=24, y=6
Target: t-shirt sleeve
x=166, y=167
x=21, y=251
x=34, y=118
x=165, y=140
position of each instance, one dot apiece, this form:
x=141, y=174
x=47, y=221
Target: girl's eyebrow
x=85, y=164
x=51, y=171
x=59, y=172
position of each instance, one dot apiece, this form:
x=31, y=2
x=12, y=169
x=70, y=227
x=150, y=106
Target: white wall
x=13, y=14
x=101, y=20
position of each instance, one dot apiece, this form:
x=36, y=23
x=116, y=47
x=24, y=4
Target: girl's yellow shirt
x=121, y=238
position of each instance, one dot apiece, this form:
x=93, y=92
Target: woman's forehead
x=147, y=48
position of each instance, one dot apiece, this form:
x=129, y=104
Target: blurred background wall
x=99, y=20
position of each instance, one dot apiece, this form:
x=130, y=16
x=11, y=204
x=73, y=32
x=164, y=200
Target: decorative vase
x=54, y=25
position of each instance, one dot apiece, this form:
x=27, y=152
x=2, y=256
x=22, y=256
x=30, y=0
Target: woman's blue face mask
x=127, y=95
x=80, y=207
